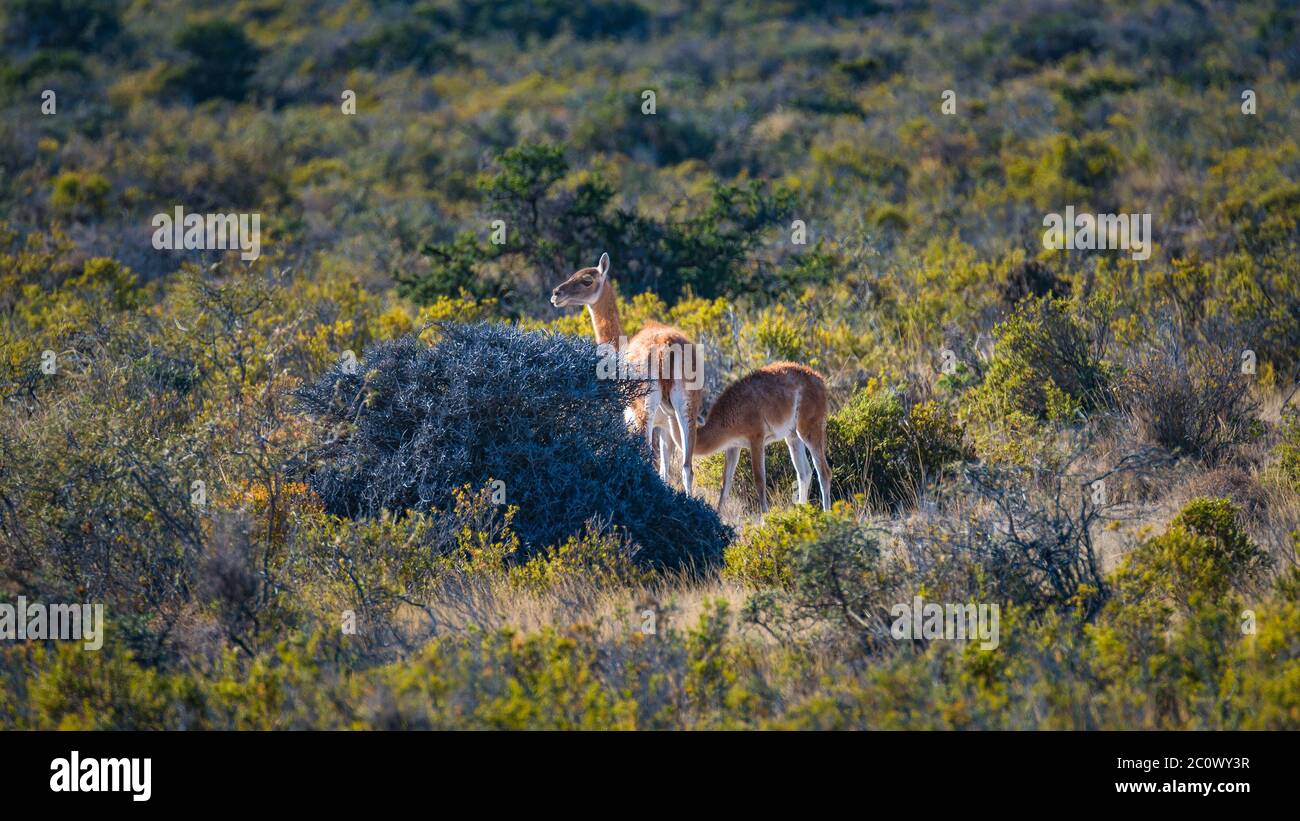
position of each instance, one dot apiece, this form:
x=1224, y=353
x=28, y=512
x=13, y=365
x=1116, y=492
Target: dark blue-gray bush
x=489, y=402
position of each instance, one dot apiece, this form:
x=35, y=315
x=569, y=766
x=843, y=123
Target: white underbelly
x=772, y=435
x=779, y=432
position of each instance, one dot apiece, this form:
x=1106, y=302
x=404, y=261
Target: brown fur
x=654, y=346
x=749, y=414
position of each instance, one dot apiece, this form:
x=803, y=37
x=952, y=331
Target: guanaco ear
x=603, y=265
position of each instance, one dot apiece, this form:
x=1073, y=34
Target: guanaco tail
x=778, y=401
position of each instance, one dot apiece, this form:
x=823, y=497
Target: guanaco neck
x=604, y=316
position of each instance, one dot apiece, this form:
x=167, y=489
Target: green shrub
x=395, y=45
x=1047, y=366
x=60, y=686
x=1271, y=218
x=79, y=193
x=1266, y=671
x=1288, y=450
x=1165, y=643
x=599, y=557
x=1203, y=556
x=554, y=225
x=763, y=555
x=829, y=575
x=1047, y=34
x=1095, y=82
x=779, y=336
x=878, y=447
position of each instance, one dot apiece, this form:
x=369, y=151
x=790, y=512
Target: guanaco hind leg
x=682, y=414
x=816, y=443
x=803, y=472
x=733, y=459
x=758, y=461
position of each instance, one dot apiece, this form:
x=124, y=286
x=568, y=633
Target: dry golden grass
x=611, y=611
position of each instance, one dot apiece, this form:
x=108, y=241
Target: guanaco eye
x=587, y=280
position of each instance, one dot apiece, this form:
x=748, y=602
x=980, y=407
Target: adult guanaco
x=778, y=401
x=663, y=354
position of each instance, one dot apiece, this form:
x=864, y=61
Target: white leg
x=665, y=450
x=733, y=459
x=757, y=464
x=823, y=470
x=803, y=473
x=824, y=479
x=669, y=437
x=678, y=396
x=651, y=409
x=668, y=421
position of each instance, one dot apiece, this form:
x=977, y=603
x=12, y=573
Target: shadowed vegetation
x=280, y=476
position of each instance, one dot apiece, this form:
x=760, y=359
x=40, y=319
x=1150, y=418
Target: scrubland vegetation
x=1075, y=436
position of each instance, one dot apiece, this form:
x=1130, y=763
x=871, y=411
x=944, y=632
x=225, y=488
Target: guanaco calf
x=778, y=401
x=673, y=400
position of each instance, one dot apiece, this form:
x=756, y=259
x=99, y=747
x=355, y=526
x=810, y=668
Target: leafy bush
x=1269, y=667
x=489, y=403
x=1166, y=640
x=1202, y=557
x=675, y=135
x=830, y=574
x=1062, y=168
x=411, y=42
x=763, y=555
x=78, y=193
x=877, y=446
x=1047, y=33
x=598, y=557
x=1288, y=449
x=1031, y=278
x=1047, y=366
x=1096, y=82
x=779, y=336
x=554, y=228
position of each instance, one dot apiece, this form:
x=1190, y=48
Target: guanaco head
x=583, y=287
